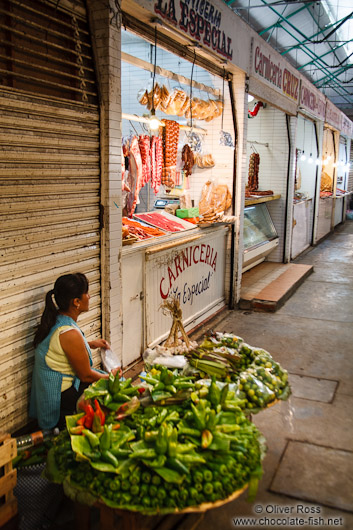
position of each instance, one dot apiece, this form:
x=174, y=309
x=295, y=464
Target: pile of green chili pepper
x=159, y=459
x=259, y=379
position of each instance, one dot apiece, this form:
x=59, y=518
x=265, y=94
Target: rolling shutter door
x=50, y=205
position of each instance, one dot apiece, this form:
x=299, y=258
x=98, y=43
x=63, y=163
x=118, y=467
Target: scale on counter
x=162, y=202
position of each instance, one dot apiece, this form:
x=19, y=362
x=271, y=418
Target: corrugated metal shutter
x=49, y=220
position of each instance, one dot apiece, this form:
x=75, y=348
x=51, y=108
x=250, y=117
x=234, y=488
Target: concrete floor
x=308, y=469
x=309, y=464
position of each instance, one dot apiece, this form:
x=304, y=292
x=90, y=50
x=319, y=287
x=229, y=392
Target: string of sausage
x=156, y=162
x=170, y=137
x=254, y=162
x=187, y=157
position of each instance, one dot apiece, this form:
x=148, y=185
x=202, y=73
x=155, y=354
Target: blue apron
x=46, y=383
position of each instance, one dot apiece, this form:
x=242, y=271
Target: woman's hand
x=99, y=343
x=117, y=370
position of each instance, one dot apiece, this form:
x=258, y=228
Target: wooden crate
x=8, y=478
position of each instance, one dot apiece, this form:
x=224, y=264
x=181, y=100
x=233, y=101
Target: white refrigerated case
x=260, y=236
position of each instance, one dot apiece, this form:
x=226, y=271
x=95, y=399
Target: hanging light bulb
x=342, y=163
x=154, y=122
x=303, y=157
x=335, y=164
x=310, y=159
x=318, y=162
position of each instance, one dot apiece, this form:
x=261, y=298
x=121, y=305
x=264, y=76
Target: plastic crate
x=8, y=478
x=184, y=213
x=38, y=499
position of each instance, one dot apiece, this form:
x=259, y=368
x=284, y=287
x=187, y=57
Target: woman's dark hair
x=66, y=288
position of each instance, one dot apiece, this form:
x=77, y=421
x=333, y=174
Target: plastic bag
x=215, y=200
x=151, y=357
x=254, y=390
x=225, y=139
x=185, y=200
x=109, y=360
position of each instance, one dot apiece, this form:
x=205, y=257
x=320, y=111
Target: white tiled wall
x=134, y=79
x=270, y=127
x=306, y=142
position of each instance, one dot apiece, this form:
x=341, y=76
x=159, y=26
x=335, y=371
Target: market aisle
x=309, y=463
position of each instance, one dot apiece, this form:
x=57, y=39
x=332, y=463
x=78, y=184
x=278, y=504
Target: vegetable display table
x=115, y=518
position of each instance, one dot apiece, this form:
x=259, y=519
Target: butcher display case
x=260, y=236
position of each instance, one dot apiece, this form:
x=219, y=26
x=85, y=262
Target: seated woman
x=63, y=360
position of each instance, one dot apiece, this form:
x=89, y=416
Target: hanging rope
x=191, y=78
x=154, y=69
x=224, y=74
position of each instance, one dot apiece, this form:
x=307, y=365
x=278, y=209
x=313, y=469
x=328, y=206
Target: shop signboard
x=346, y=126
x=193, y=272
x=207, y=22
x=200, y=19
x=272, y=69
x=312, y=100
x=333, y=115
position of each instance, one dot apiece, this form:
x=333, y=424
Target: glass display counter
x=260, y=236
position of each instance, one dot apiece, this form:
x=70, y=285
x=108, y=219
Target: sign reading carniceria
x=312, y=100
x=270, y=67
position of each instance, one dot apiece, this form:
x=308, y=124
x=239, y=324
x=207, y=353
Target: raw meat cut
x=145, y=150
x=161, y=221
x=135, y=163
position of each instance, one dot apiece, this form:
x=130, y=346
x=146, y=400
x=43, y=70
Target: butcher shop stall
x=177, y=188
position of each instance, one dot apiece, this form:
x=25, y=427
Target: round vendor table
x=117, y=518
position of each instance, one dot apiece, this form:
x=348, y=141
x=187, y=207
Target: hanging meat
x=187, y=156
x=156, y=162
x=253, y=178
x=145, y=150
x=170, y=137
x=135, y=179
x=124, y=171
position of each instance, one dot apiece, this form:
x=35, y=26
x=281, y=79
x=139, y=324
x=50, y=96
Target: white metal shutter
x=49, y=219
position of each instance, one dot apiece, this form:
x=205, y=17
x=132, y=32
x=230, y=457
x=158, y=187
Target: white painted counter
x=188, y=265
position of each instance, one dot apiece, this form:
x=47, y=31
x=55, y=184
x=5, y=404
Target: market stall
x=328, y=178
x=269, y=153
x=307, y=166
x=178, y=147
x=343, y=166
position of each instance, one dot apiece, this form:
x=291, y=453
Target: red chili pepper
x=77, y=430
x=141, y=390
x=89, y=417
x=99, y=412
x=81, y=421
x=116, y=426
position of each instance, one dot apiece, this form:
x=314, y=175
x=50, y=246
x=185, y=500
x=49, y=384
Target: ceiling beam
x=315, y=35
x=278, y=24
x=322, y=30
x=324, y=55
x=333, y=75
x=306, y=50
